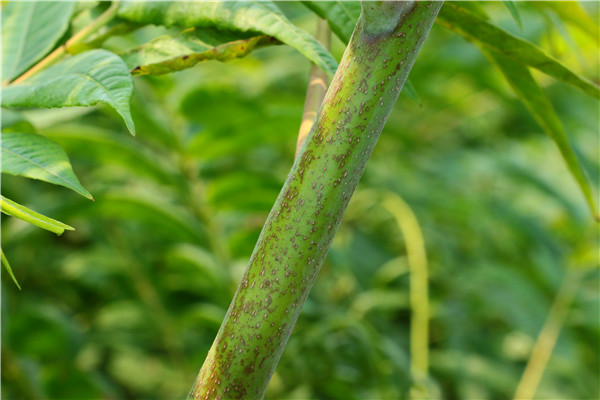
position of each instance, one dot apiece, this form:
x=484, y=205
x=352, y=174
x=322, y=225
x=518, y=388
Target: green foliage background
x=127, y=305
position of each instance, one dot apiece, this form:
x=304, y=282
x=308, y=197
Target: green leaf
x=8, y=268
x=477, y=29
x=9, y=207
x=167, y=53
x=572, y=13
x=340, y=15
x=245, y=16
x=37, y=157
x=533, y=97
x=96, y=76
x=514, y=11
x=29, y=31
x=12, y=121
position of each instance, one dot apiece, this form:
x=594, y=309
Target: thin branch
x=542, y=350
x=317, y=86
x=79, y=37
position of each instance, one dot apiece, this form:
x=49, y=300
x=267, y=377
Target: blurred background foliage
x=127, y=305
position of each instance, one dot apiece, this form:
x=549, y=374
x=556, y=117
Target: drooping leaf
x=167, y=53
x=245, y=16
x=533, y=97
x=17, y=210
x=96, y=76
x=514, y=11
x=8, y=268
x=29, y=31
x=341, y=15
x=478, y=29
x=37, y=157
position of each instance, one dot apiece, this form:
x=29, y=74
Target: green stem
x=78, y=38
x=308, y=211
x=317, y=87
x=419, y=298
x=544, y=346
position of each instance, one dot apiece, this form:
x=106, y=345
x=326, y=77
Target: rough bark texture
x=308, y=211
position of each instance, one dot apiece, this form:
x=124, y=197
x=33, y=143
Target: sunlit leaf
x=10, y=207
x=533, y=97
x=174, y=53
x=572, y=13
x=245, y=16
x=341, y=15
x=37, y=157
x=8, y=268
x=96, y=76
x=478, y=29
x=29, y=30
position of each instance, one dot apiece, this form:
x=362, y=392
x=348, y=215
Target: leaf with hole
x=37, y=157
x=167, y=53
x=96, y=76
x=29, y=31
x=245, y=16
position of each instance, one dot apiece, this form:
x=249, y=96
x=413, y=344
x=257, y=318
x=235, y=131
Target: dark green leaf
x=341, y=15
x=514, y=11
x=476, y=28
x=8, y=268
x=533, y=97
x=37, y=157
x=174, y=53
x=29, y=31
x=10, y=207
x=245, y=16
x=96, y=76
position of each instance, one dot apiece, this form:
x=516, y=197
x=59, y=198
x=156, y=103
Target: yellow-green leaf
x=17, y=210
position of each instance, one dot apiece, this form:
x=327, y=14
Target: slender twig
x=542, y=350
x=79, y=37
x=317, y=87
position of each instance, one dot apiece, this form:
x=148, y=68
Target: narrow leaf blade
x=340, y=15
x=29, y=31
x=17, y=210
x=37, y=157
x=96, y=76
x=536, y=101
x=514, y=11
x=479, y=30
x=8, y=268
x=244, y=16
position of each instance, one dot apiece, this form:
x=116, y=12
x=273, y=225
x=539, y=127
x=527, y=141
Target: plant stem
x=317, y=87
x=542, y=350
x=298, y=231
x=79, y=37
x=419, y=298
